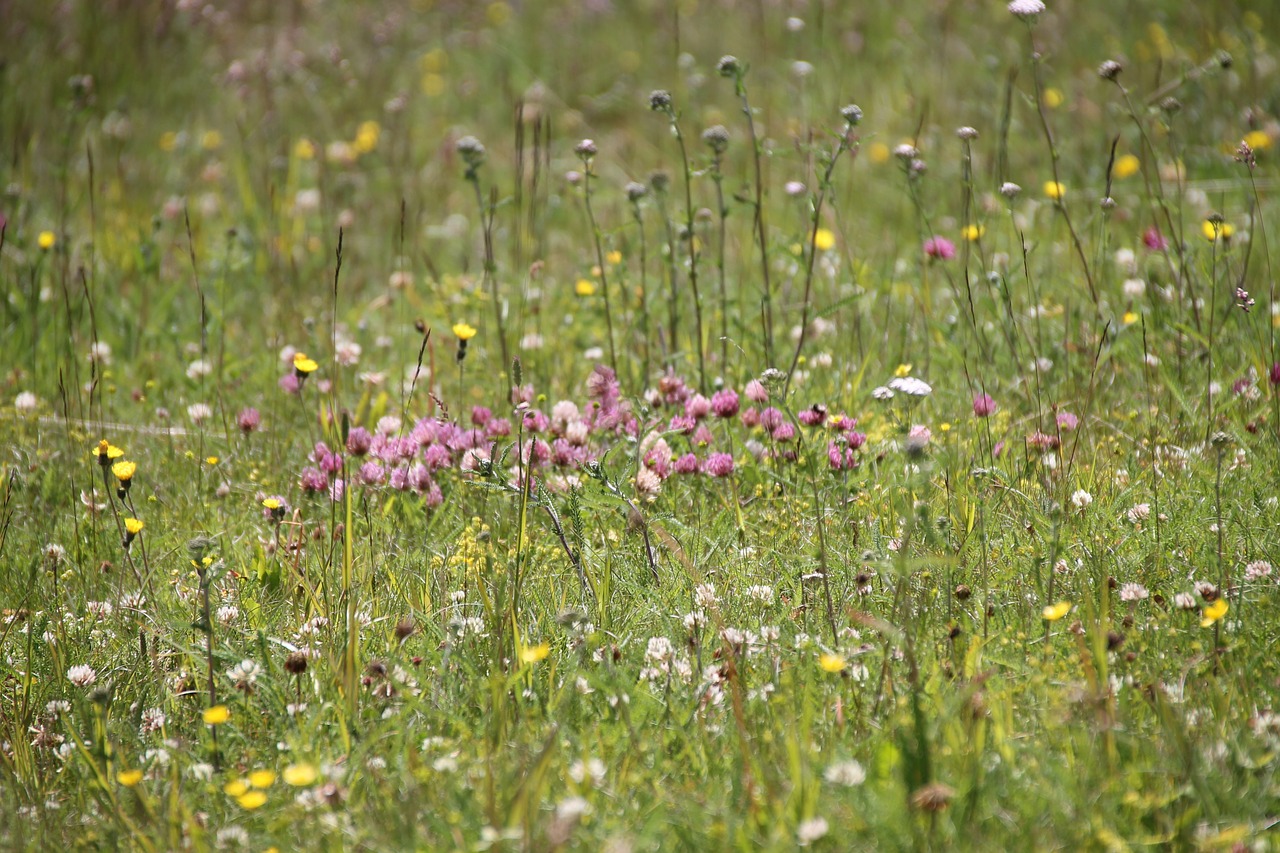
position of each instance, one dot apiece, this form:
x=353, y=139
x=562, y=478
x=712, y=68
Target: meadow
x=667, y=425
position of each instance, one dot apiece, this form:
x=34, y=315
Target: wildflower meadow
x=638, y=426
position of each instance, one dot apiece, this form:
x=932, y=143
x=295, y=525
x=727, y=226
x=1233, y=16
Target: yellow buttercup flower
x=1054, y=612
x=902, y=370
x=973, y=233
x=1053, y=98
x=463, y=331
x=1055, y=190
x=217, y=715
x=46, y=240
x=300, y=775
x=129, y=778
x=1214, y=612
x=236, y=788
x=832, y=663
x=824, y=240
x=585, y=287
x=613, y=258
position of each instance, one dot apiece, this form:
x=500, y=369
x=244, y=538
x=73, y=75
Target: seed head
x=717, y=138
x=636, y=191
x=660, y=101
x=1110, y=70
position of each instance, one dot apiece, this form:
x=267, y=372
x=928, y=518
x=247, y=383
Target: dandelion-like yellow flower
x=1055, y=190
x=106, y=452
x=124, y=471
x=211, y=460
x=236, y=788
x=1130, y=317
x=133, y=526
x=973, y=233
x=1054, y=612
x=272, y=503
x=1214, y=230
x=1257, y=139
x=831, y=662
x=585, y=287
x=303, y=365
x=300, y=775
x=824, y=240
x=613, y=258
x=463, y=331
x=902, y=370
x=129, y=778
x=46, y=240
x=252, y=800
x=533, y=654
x=262, y=778
x=1126, y=166
x=1214, y=612
x=1053, y=98
x=217, y=715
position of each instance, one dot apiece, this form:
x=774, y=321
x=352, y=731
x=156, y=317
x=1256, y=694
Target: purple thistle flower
x=248, y=420
x=939, y=248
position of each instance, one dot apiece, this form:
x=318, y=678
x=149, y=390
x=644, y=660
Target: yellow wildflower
x=1126, y=166
x=303, y=365
x=1214, y=612
x=831, y=662
x=824, y=240
x=973, y=233
x=46, y=240
x=124, y=471
x=1054, y=612
x=262, y=778
x=1212, y=229
x=252, y=800
x=236, y=788
x=217, y=715
x=129, y=778
x=133, y=527
x=1055, y=190
x=533, y=654
x=300, y=775
x=585, y=287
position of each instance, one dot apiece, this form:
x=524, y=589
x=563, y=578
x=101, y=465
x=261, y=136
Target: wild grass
x=711, y=425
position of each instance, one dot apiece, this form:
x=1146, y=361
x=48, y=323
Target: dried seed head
x=717, y=138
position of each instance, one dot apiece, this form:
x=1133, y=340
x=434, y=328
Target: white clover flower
x=82, y=675
x=811, y=830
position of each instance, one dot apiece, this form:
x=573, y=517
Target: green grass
x=474, y=645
